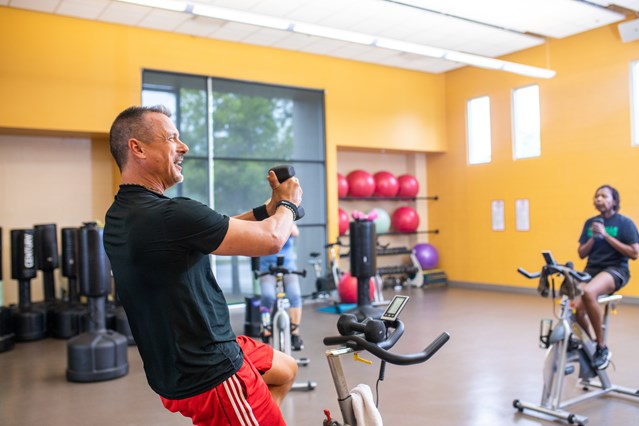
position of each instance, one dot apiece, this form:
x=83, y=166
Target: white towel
x=366, y=413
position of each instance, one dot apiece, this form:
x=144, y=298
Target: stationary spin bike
x=326, y=283
x=376, y=336
x=278, y=322
x=568, y=344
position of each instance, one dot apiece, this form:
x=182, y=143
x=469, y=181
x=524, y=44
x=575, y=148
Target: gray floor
x=491, y=359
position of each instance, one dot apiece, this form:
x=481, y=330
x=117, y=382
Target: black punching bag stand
x=47, y=261
x=7, y=336
x=363, y=266
x=68, y=315
x=29, y=323
x=97, y=354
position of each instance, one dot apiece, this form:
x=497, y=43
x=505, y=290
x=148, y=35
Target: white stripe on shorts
x=242, y=409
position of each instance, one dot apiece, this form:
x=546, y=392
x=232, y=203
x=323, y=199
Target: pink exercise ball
x=347, y=288
x=408, y=186
x=344, y=221
x=405, y=219
x=360, y=183
x=342, y=186
x=386, y=184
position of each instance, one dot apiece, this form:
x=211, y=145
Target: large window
x=478, y=130
x=526, y=123
x=235, y=132
x=634, y=101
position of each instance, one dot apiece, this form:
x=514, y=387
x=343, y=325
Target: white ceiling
x=490, y=28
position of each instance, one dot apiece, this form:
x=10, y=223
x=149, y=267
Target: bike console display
x=394, y=308
x=548, y=258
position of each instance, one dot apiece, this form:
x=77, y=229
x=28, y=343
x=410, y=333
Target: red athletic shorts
x=242, y=400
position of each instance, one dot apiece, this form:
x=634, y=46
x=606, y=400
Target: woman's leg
x=294, y=295
x=600, y=284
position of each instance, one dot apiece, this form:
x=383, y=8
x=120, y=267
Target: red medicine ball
x=342, y=186
x=386, y=184
x=405, y=219
x=360, y=183
x=344, y=222
x=408, y=186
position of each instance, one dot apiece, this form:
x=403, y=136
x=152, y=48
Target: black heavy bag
x=7, y=337
x=363, y=257
x=252, y=317
x=47, y=261
x=29, y=323
x=68, y=315
x=46, y=256
x=97, y=354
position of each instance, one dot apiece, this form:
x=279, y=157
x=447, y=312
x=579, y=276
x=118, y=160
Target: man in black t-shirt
x=608, y=240
x=159, y=250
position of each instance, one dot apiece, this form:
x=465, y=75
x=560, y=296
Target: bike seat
x=605, y=299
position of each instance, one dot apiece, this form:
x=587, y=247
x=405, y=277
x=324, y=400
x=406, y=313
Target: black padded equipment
x=29, y=323
x=47, y=260
x=68, y=314
x=7, y=337
x=97, y=354
x=363, y=265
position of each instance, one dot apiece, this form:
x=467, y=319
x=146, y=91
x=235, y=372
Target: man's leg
x=278, y=369
x=281, y=376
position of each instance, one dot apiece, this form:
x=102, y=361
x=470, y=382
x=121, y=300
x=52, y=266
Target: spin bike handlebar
x=566, y=269
x=338, y=243
x=362, y=340
x=278, y=269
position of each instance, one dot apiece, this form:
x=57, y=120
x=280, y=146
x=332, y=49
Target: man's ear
x=136, y=148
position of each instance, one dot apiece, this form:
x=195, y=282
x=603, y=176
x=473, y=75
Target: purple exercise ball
x=426, y=255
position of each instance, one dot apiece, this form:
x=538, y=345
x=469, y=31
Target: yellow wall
x=585, y=141
x=70, y=76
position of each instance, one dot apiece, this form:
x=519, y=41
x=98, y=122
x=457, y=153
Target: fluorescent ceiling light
x=478, y=61
x=415, y=48
x=333, y=33
x=239, y=16
x=175, y=5
x=527, y=70
x=234, y=15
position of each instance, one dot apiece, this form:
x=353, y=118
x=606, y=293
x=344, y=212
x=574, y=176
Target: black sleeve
x=195, y=225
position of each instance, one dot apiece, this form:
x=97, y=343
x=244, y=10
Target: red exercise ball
x=342, y=186
x=347, y=288
x=386, y=184
x=344, y=221
x=360, y=183
x=405, y=219
x=408, y=186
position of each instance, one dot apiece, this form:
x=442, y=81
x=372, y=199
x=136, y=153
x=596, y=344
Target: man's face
x=165, y=150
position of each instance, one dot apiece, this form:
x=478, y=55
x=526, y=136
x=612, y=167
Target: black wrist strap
x=292, y=207
x=260, y=212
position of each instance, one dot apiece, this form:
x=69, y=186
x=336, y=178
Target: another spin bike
x=568, y=344
x=278, y=322
x=376, y=337
x=326, y=283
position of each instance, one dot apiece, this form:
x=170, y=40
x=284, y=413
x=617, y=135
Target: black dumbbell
x=284, y=172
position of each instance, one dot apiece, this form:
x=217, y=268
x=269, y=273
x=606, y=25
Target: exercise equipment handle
x=381, y=348
x=527, y=274
x=390, y=357
x=283, y=173
x=559, y=269
x=275, y=270
x=338, y=243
